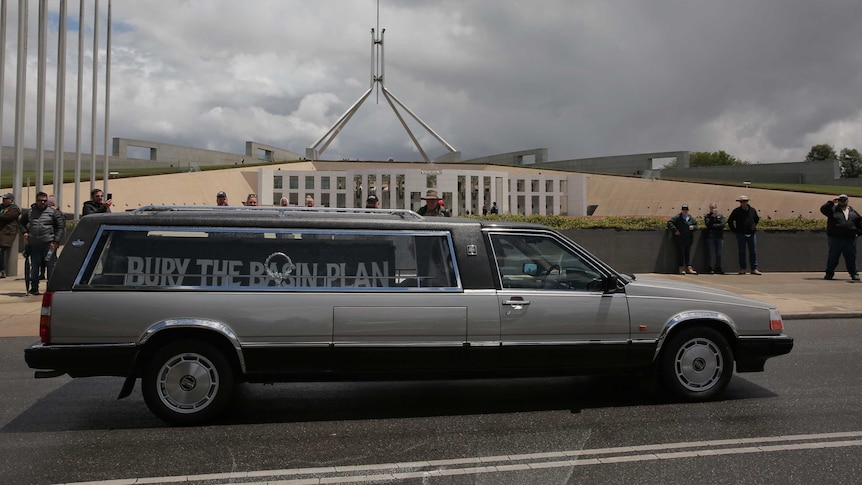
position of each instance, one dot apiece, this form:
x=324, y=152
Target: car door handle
x=516, y=304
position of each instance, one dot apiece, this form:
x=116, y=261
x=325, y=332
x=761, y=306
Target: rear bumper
x=81, y=360
x=752, y=352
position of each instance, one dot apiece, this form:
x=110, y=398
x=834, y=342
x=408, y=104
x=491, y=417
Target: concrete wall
x=815, y=173
x=635, y=164
x=655, y=251
x=538, y=155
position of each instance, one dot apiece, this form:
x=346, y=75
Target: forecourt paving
x=797, y=296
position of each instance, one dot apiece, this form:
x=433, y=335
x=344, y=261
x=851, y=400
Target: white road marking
x=505, y=463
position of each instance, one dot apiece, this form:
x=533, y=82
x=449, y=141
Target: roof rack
x=281, y=210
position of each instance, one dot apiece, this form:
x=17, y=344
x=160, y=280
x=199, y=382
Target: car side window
x=541, y=262
x=284, y=259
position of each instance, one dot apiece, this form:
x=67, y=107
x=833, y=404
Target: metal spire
x=377, y=75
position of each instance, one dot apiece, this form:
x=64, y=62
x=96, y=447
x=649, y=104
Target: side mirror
x=610, y=283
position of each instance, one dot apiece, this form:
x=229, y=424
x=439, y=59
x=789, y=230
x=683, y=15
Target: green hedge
x=650, y=223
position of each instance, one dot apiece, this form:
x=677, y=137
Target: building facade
x=464, y=189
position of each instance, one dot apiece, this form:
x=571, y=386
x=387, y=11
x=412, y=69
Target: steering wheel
x=547, y=273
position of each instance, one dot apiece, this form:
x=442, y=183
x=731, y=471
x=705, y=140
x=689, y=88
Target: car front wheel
x=697, y=364
x=188, y=382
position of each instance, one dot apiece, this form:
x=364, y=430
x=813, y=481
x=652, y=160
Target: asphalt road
x=798, y=422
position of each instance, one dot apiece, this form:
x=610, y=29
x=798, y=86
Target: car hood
x=649, y=286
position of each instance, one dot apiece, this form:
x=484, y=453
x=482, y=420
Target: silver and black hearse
x=196, y=300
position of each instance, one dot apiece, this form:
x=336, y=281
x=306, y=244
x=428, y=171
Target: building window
x=324, y=200
x=519, y=185
x=534, y=185
x=431, y=181
x=278, y=182
x=340, y=183
x=294, y=182
x=549, y=185
x=309, y=182
x=324, y=183
x=564, y=186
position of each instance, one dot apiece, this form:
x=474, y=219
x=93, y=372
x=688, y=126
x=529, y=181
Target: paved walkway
x=797, y=296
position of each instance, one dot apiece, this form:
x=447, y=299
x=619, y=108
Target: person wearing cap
x=372, y=202
x=221, y=199
x=743, y=222
x=432, y=205
x=683, y=226
x=843, y=224
x=9, y=213
x=95, y=205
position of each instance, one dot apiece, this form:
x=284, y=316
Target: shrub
x=649, y=223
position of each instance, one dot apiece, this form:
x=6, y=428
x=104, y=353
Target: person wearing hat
x=221, y=199
x=843, y=224
x=432, y=205
x=743, y=222
x=372, y=202
x=683, y=226
x=9, y=213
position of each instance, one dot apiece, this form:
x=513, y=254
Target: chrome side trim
x=566, y=342
x=693, y=315
x=274, y=345
x=400, y=344
x=130, y=345
x=197, y=323
x=762, y=337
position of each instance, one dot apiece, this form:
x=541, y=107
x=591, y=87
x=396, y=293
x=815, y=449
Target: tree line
x=849, y=159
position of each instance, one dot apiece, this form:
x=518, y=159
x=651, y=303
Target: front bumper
x=751, y=353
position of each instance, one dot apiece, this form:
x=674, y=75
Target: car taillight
x=45, y=318
x=775, y=322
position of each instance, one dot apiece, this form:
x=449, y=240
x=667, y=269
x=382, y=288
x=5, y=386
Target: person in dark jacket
x=44, y=227
x=843, y=224
x=683, y=226
x=743, y=222
x=9, y=213
x=714, y=233
x=96, y=205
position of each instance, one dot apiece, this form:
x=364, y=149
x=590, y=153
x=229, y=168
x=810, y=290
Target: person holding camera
x=97, y=204
x=683, y=226
x=843, y=224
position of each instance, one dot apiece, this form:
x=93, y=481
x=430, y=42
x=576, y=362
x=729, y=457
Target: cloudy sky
x=763, y=80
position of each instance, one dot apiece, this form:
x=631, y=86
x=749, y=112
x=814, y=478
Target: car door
x=417, y=322
x=553, y=310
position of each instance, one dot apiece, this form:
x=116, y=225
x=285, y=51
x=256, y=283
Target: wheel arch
x=215, y=333
x=681, y=321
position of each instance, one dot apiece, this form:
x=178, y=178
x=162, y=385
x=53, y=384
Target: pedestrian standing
x=44, y=227
x=683, y=226
x=743, y=222
x=9, y=213
x=843, y=224
x=714, y=233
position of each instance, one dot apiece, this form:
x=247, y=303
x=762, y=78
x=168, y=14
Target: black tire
x=188, y=382
x=696, y=364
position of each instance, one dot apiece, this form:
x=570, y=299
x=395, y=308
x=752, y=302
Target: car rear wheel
x=187, y=382
x=697, y=364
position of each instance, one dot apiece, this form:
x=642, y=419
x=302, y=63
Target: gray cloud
x=762, y=80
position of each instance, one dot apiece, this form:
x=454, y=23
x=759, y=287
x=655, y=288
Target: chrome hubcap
x=698, y=364
x=188, y=383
